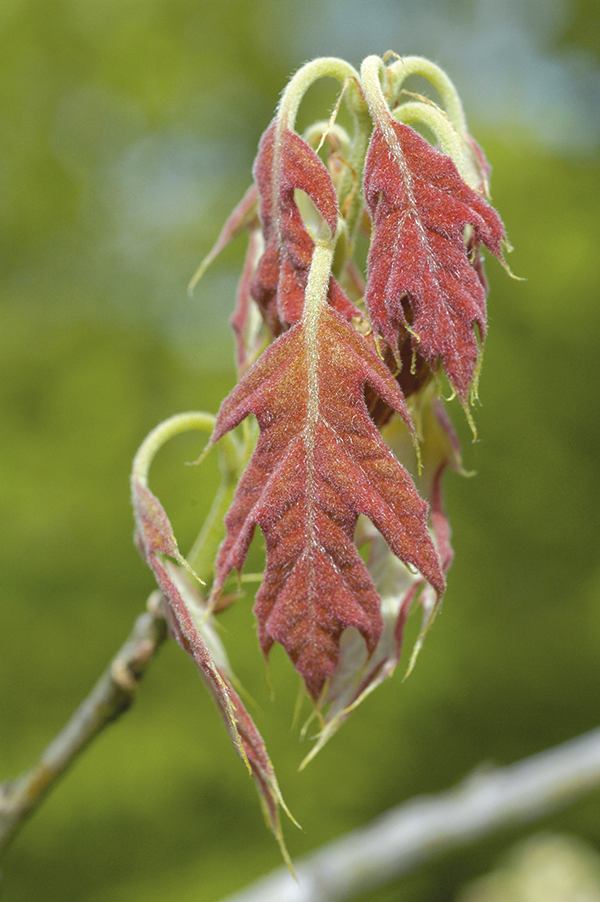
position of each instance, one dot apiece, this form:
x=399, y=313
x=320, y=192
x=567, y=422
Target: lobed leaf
x=357, y=675
x=319, y=463
x=422, y=272
x=286, y=164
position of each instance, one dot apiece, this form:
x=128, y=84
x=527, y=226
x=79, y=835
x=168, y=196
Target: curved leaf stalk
x=175, y=425
x=406, y=66
x=232, y=460
x=286, y=119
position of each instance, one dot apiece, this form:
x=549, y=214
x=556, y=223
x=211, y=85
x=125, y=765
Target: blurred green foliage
x=128, y=132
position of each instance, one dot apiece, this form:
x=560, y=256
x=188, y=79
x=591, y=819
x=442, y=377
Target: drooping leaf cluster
x=341, y=370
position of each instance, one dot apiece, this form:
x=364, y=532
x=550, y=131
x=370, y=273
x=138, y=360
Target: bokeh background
x=127, y=132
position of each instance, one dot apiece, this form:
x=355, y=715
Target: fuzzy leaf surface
x=319, y=463
x=156, y=543
x=420, y=208
x=285, y=164
x=356, y=676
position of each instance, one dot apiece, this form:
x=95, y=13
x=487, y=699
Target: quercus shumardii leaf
x=190, y=621
x=420, y=271
x=286, y=164
x=358, y=673
x=340, y=370
x=319, y=463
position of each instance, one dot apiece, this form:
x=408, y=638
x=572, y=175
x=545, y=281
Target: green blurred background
x=128, y=130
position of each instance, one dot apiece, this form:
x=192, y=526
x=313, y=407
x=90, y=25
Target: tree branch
x=410, y=834
x=111, y=696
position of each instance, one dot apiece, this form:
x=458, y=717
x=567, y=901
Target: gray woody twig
x=111, y=696
x=412, y=833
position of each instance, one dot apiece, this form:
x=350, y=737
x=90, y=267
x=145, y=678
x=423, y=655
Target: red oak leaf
x=421, y=207
x=319, y=463
x=286, y=164
x=356, y=676
x=190, y=624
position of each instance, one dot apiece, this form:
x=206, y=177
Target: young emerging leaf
x=421, y=273
x=320, y=463
x=286, y=164
x=191, y=625
x=399, y=587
